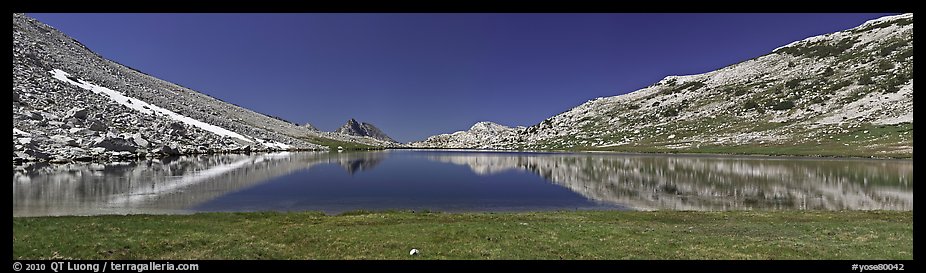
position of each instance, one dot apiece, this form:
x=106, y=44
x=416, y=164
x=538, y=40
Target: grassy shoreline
x=524, y=235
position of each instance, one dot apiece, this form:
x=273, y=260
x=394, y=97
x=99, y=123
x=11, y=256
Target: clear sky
x=416, y=75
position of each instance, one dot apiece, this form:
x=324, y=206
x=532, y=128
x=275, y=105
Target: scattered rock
x=34, y=115
x=79, y=131
x=38, y=154
x=49, y=116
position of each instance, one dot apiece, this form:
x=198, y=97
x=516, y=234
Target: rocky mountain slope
x=71, y=104
x=483, y=135
x=848, y=93
x=356, y=128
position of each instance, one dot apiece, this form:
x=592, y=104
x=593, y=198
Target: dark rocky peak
x=356, y=128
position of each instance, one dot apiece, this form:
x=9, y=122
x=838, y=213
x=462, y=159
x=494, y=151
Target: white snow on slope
x=273, y=144
x=144, y=107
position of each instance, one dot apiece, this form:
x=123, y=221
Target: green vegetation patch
x=333, y=144
x=853, y=235
x=819, y=49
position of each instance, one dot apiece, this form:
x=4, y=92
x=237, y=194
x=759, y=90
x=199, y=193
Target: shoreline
x=632, y=153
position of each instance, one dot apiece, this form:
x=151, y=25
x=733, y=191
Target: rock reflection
x=360, y=161
x=713, y=183
x=159, y=186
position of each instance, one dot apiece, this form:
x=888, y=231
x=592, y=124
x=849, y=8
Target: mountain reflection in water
x=642, y=182
x=659, y=182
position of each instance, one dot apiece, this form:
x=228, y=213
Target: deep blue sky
x=416, y=75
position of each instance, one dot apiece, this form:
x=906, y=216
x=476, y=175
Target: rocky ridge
x=482, y=135
x=849, y=92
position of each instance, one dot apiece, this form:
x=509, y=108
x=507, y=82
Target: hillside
x=70, y=103
x=848, y=93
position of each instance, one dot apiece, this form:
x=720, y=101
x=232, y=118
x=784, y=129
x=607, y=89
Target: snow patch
x=142, y=106
x=273, y=144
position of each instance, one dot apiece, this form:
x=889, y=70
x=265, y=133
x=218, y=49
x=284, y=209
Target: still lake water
x=461, y=181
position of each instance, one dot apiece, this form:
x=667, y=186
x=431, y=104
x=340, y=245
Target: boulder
x=66, y=140
x=77, y=112
x=57, y=124
x=25, y=141
x=170, y=149
x=178, y=127
x=35, y=115
x=97, y=125
x=49, y=116
x=114, y=144
x=17, y=132
x=139, y=140
x=79, y=131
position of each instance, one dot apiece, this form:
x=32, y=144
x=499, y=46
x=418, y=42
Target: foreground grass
x=534, y=235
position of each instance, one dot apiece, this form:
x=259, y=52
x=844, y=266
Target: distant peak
x=488, y=125
x=309, y=126
x=485, y=123
x=356, y=128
